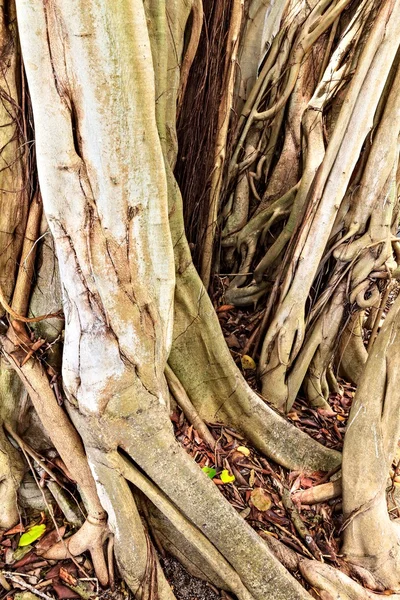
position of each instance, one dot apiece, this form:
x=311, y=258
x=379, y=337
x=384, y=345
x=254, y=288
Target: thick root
x=147, y=438
x=201, y=360
x=90, y=537
x=335, y=585
x=12, y=468
x=11, y=474
x=371, y=539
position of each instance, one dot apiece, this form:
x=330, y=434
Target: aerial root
x=90, y=537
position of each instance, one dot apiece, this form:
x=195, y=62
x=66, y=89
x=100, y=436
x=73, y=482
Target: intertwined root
x=371, y=538
x=176, y=482
x=332, y=584
x=338, y=206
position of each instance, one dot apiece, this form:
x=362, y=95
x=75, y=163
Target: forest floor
x=273, y=500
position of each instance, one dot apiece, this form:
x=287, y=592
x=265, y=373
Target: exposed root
x=11, y=474
x=371, y=539
x=352, y=354
x=286, y=330
x=319, y=493
x=148, y=439
x=194, y=537
x=201, y=360
x=67, y=442
x=90, y=537
x=335, y=585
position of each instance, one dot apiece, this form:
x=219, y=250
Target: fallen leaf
x=327, y=412
x=243, y=450
x=17, y=529
x=209, y=471
x=226, y=477
x=49, y=540
x=232, y=341
x=293, y=415
x=28, y=559
x=21, y=552
x=261, y=499
x=225, y=308
x=6, y=543
x=252, y=478
x=33, y=534
x=247, y=362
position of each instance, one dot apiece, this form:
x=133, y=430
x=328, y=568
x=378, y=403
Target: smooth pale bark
x=104, y=79
x=104, y=189
x=371, y=538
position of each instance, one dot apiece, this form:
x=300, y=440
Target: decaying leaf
x=49, y=540
x=261, y=499
x=247, y=362
x=17, y=529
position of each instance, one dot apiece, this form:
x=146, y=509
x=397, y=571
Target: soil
x=184, y=585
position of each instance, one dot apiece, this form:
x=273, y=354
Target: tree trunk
x=105, y=81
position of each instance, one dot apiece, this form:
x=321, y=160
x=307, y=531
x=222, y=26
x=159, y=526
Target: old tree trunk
x=288, y=120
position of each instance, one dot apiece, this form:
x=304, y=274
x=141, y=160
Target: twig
x=27, y=586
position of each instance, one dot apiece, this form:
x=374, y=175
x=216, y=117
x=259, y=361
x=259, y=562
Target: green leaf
x=21, y=552
x=226, y=477
x=209, y=471
x=33, y=534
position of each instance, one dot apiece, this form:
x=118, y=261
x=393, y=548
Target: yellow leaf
x=260, y=499
x=293, y=415
x=248, y=362
x=252, y=478
x=340, y=418
x=243, y=450
x=226, y=477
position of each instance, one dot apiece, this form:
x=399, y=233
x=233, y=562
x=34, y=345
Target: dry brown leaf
x=225, y=308
x=17, y=529
x=49, y=540
x=252, y=478
x=261, y=499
